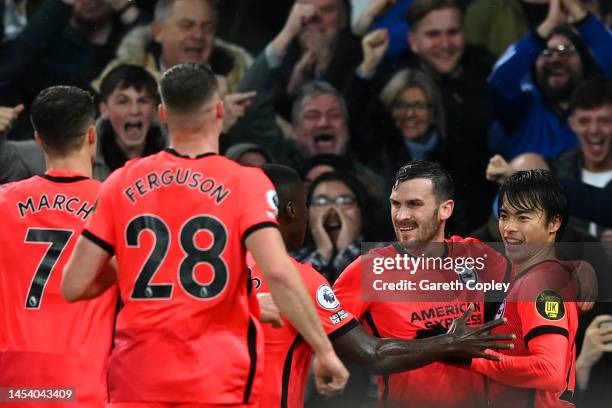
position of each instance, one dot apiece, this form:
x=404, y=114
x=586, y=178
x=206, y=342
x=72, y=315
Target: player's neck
x=193, y=145
x=73, y=163
x=547, y=251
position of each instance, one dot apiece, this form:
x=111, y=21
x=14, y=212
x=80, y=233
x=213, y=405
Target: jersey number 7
x=58, y=239
x=144, y=289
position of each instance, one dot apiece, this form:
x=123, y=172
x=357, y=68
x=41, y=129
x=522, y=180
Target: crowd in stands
x=346, y=92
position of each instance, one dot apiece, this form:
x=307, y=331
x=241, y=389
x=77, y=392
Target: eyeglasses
x=418, y=107
x=345, y=201
x=561, y=49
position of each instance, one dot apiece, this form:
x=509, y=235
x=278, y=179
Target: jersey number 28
x=144, y=289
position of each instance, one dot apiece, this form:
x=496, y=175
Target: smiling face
x=416, y=214
x=412, y=114
x=523, y=231
x=558, y=68
x=322, y=126
x=131, y=114
x=439, y=39
x=188, y=34
x=594, y=130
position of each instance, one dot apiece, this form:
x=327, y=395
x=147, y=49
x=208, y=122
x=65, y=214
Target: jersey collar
x=61, y=176
x=400, y=249
x=184, y=156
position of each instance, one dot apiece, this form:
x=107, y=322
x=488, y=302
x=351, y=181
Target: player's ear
x=554, y=224
x=220, y=109
x=37, y=139
x=92, y=135
x=290, y=210
x=163, y=115
x=446, y=210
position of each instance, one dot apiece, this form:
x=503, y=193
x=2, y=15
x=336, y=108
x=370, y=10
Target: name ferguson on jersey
x=60, y=202
x=180, y=177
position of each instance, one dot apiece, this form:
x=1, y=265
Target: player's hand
x=464, y=342
x=268, y=311
x=374, y=46
x=7, y=117
x=330, y=374
x=498, y=169
x=585, y=283
x=472, y=342
x=324, y=244
x=236, y=105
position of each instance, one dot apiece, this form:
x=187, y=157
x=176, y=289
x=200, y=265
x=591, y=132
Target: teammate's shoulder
x=458, y=239
x=25, y=185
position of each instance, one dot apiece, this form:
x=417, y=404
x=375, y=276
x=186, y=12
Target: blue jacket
x=525, y=122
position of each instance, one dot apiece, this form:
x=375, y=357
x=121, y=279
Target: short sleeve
x=334, y=318
x=348, y=289
x=100, y=227
x=259, y=203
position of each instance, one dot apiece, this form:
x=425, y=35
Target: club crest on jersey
x=550, y=305
x=272, y=199
x=468, y=275
x=326, y=298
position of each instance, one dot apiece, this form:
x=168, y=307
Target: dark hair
x=420, y=8
x=127, y=76
x=286, y=182
x=369, y=228
x=536, y=189
x=337, y=162
x=441, y=180
x=592, y=93
x=61, y=116
x=186, y=87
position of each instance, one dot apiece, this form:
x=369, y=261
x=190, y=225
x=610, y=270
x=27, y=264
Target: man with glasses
x=533, y=80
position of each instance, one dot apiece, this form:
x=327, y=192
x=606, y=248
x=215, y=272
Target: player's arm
x=88, y=273
x=542, y=369
x=387, y=356
x=289, y=293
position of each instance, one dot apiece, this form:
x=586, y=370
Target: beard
x=557, y=93
x=426, y=232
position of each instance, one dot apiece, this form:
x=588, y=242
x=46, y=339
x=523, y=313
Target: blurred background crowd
x=346, y=92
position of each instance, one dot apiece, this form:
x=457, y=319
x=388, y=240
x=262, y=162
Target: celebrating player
x=178, y=223
x=287, y=357
x=46, y=342
x=421, y=202
x=540, y=306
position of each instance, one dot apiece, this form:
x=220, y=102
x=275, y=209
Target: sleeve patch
x=326, y=298
x=339, y=316
x=550, y=305
x=272, y=199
